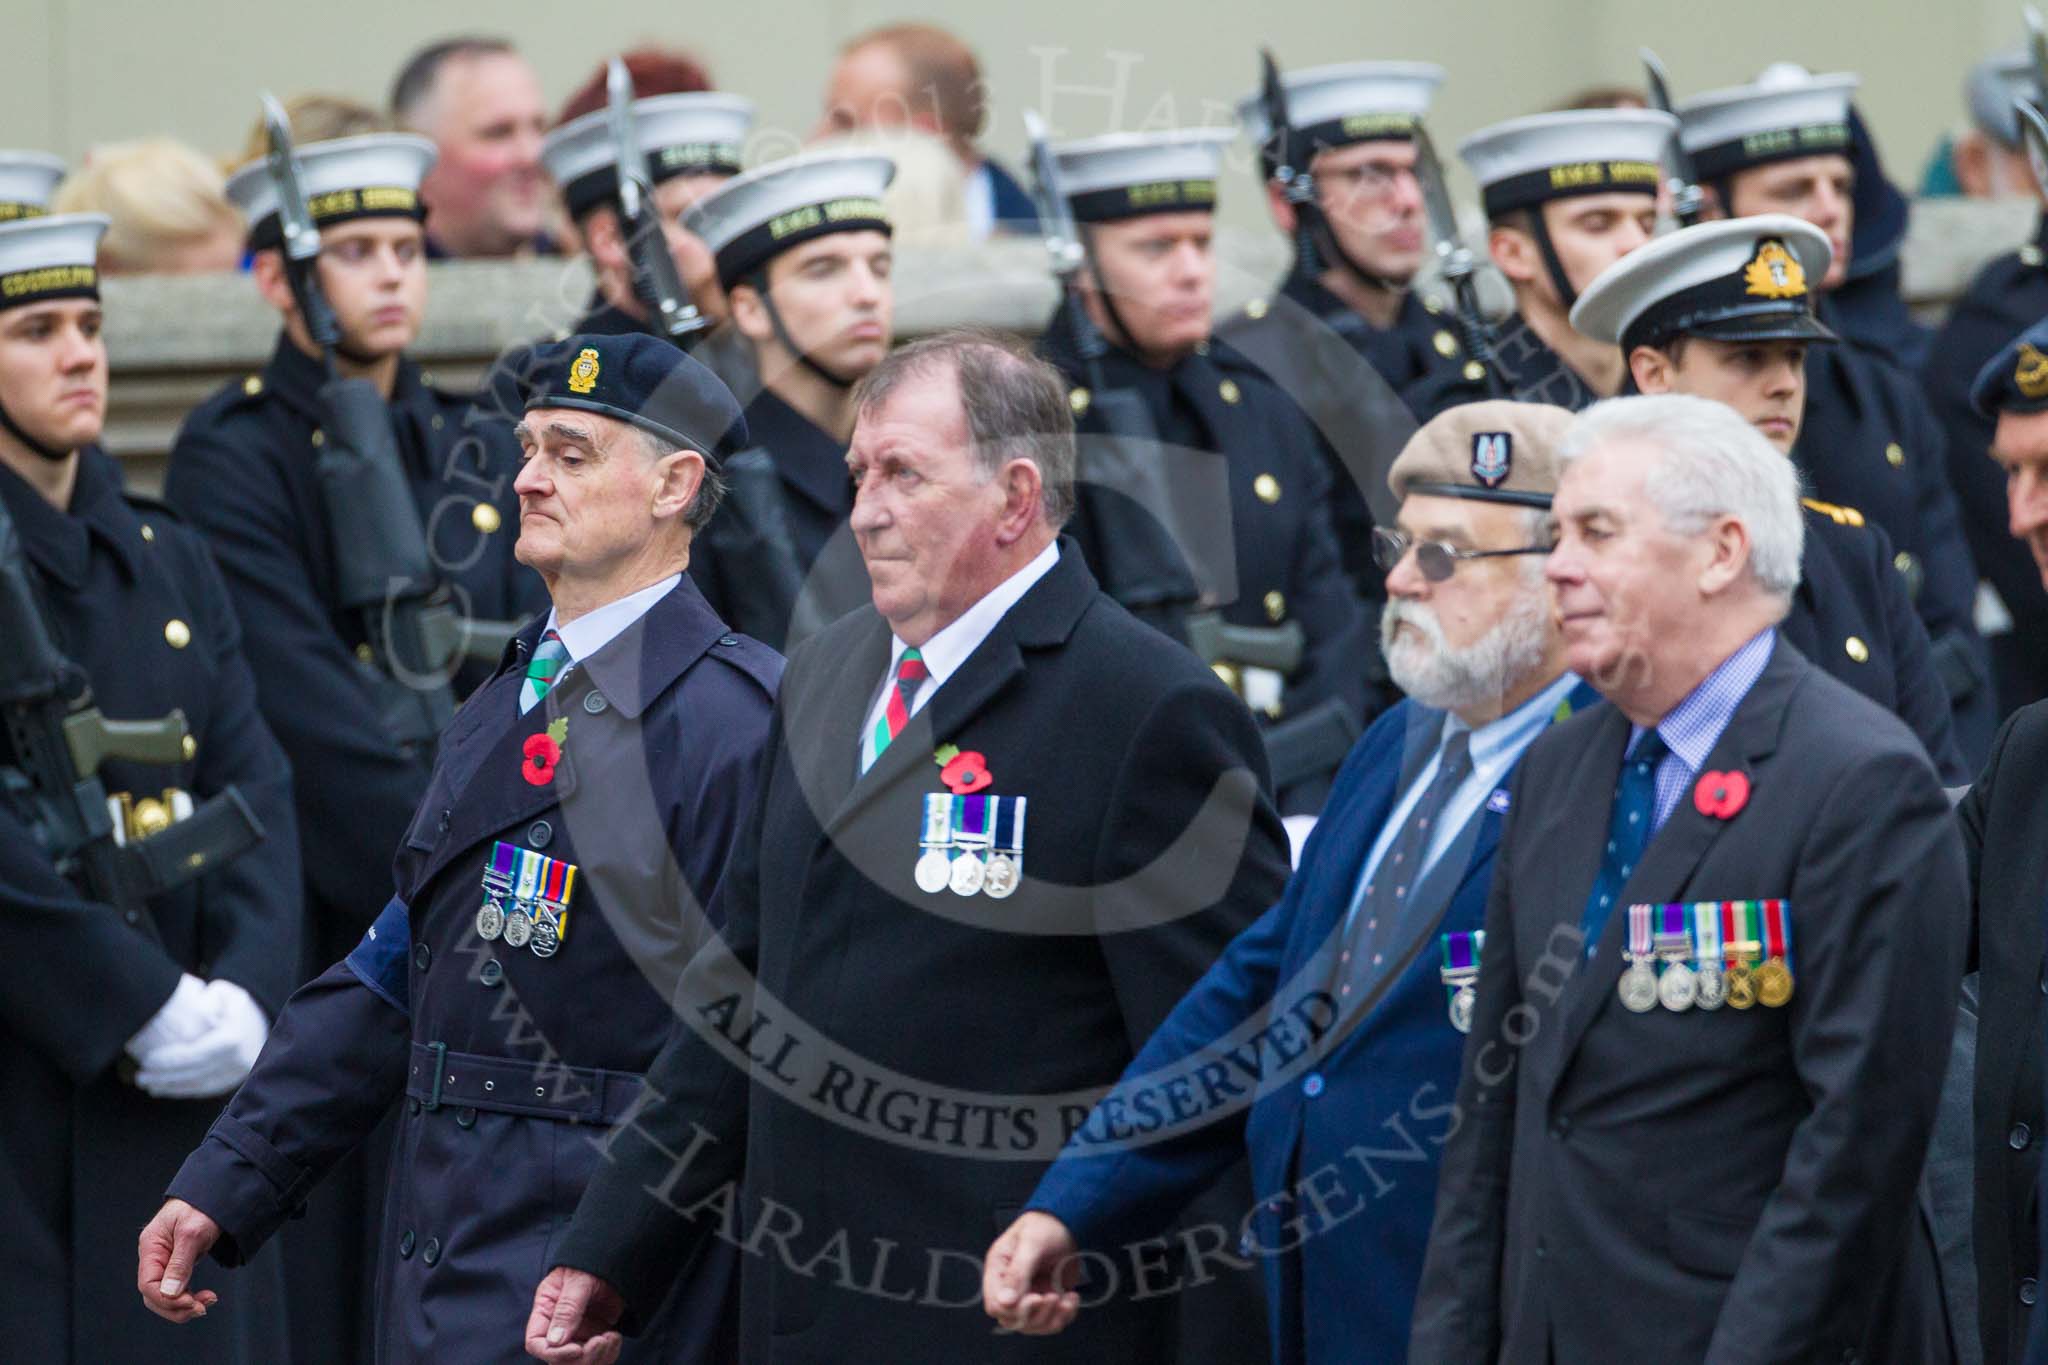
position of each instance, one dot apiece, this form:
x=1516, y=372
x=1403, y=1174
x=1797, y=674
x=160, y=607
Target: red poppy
x=1721, y=795
x=965, y=772
x=542, y=754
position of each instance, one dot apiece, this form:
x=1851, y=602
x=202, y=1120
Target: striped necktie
x=541, y=671
x=910, y=672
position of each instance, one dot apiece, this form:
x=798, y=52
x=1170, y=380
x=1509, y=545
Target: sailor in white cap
x=1345, y=315
x=1725, y=311
x=802, y=249
x=1254, y=539
x=27, y=181
x=1989, y=159
x=134, y=1001
x=693, y=144
x=1566, y=195
x=1783, y=144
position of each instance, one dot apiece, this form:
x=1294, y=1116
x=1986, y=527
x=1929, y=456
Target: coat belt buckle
x=440, y=1051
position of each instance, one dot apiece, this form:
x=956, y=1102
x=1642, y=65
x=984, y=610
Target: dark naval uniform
x=1529, y=370
x=133, y=599
x=1310, y=343
x=513, y=1066
x=1284, y=563
x=1870, y=441
x=813, y=498
x=242, y=469
x=2008, y=296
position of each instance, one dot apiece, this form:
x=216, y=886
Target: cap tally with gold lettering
x=1496, y=451
x=2016, y=379
x=643, y=380
x=700, y=133
x=1785, y=113
x=27, y=180
x=1335, y=106
x=375, y=176
x=1128, y=175
x=1748, y=279
x=1530, y=161
x=753, y=218
x=49, y=258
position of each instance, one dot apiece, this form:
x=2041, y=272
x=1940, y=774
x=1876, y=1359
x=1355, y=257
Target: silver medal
x=1002, y=877
x=518, y=927
x=490, y=921
x=546, y=937
x=1463, y=1000
x=932, y=872
x=1638, y=986
x=1678, y=987
x=1710, y=990
x=967, y=875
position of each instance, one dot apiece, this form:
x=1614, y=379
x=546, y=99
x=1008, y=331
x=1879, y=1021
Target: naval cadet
x=693, y=144
x=547, y=891
x=1725, y=311
x=1566, y=195
x=802, y=248
x=126, y=1010
x=1247, y=484
x=1869, y=440
x=359, y=726
x=2005, y=298
x=2005, y=831
x=1347, y=312
x=28, y=180
x=1721, y=957
x=1344, y=1135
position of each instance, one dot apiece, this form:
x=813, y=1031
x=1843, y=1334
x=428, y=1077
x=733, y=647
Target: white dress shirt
x=946, y=651
x=593, y=630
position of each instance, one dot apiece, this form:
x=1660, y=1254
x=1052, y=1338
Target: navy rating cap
x=641, y=379
x=2016, y=379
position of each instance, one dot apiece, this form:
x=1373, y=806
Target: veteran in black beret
x=2005, y=831
x=1725, y=311
x=2007, y=297
x=125, y=1012
x=1250, y=483
x=549, y=885
x=804, y=251
x=1869, y=441
x=693, y=144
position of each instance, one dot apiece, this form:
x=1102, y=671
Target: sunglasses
x=1436, y=560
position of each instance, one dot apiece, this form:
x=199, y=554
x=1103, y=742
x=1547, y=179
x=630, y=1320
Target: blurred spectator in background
x=480, y=102
x=922, y=77
x=1604, y=97
x=1988, y=160
x=927, y=201
x=655, y=71
x=170, y=213
x=313, y=117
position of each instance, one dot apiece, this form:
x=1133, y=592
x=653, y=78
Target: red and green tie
x=542, y=670
x=910, y=672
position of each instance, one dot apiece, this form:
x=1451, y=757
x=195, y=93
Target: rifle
x=1455, y=260
x=656, y=281
x=1688, y=200
x=1141, y=560
x=59, y=739
x=1291, y=167
x=383, y=571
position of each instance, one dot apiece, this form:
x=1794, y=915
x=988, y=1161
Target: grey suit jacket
x=1729, y=1185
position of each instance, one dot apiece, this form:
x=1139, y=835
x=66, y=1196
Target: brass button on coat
x=177, y=634
x=1267, y=487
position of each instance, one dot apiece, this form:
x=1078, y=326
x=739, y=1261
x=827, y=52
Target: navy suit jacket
x=1344, y=1146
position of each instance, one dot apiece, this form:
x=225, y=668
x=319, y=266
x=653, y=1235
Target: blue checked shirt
x=1694, y=726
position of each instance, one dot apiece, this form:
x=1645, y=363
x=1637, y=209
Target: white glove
x=1299, y=827
x=185, y=1016
x=215, y=1062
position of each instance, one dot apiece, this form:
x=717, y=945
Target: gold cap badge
x=583, y=374
x=1774, y=273
x=2030, y=375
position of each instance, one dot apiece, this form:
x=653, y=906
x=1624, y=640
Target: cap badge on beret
x=583, y=374
x=2030, y=372
x=1492, y=457
x=1774, y=272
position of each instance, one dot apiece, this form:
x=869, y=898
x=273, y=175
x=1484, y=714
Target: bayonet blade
x=301, y=238
x=2034, y=133
x=1436, y=200
x=1062, y=240
x=618, y=85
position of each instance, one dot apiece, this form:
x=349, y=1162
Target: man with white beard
x=1340, y=1013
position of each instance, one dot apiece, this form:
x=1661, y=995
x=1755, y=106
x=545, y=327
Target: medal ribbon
x=938, y=820
x=1639, y=930
x=1706, y=933
x=1009, y=825
x=1777, y=932
x=1673, y=930
x=530, y=871
x=970, y=822
x=1461, y=950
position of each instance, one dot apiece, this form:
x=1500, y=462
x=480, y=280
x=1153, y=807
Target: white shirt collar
x=946, y=651
x=593, y=630
x=979, y=202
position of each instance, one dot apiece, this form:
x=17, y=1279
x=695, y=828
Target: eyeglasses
x=1437, y=560
x=1369, y=180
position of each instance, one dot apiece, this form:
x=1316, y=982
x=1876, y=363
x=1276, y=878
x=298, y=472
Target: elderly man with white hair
x=1721, y=957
